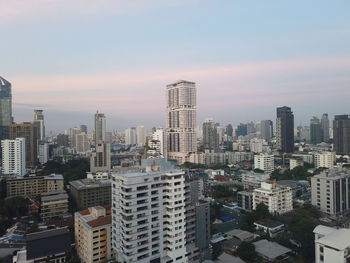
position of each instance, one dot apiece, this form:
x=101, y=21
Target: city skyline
x=246, y=58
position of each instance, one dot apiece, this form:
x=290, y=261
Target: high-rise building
x=141, y=134
x=39, y=121
x=130, y=136
x=63, y=140
x=210, y=135
x=341, y=134
x=325, y=127
x=229, y=130
x=72, y=132
x=148, y=219
x=93, y=234
x=264, y=162
x=266, y=130
x=181, y=120
x=43, y=152
x=324, y=159
x=100, y=127
x=242, y=130
x=14, y=156
x=29, y=131
x=100, y=159
x=82, y=144
x=158, y=135
x=285, y=129
x=5, y=108
x=83, y=128
x=316, y=132
x=330, y=192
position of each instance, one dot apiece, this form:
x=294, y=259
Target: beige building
x=53, y=204
x=278, y=200
x=93, y=235
x=34, y=185
x=324, y=159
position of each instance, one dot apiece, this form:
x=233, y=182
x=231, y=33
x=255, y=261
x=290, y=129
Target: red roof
x=221, y=178
x=105, y=220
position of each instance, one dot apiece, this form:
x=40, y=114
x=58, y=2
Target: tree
x=14, y=207
x=246, y=251
x=260, y=213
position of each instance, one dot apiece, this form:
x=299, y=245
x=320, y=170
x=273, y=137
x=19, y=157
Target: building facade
x=341, y=134
x=266, y=130
x=325, y=127
x=14, y=156
x=264, y=162
x=210, y=135
x=324, y=159
x=100, y=127
x=5, y=108
x=316, y=133
x=285, y=129
x=181, y=120
x=53, y=205
x=39, y=121
x=100, y=159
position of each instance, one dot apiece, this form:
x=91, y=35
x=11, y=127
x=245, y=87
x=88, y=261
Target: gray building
x=100, y=159
x=5, y=108
x=285, y=129
x=325, y=127
x=87, y=193
x=245, y=200
x=203, y=229
x=316, y=133
x=100, y=127
x=210, y=135
x=330, y=191
x=266, y=130
x=341, y=134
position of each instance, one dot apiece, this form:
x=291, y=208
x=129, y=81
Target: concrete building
x=316, y=133
x=34, y=185
x=82, y=144
x=87, y=193
x=63, y=140
x=29, y=131
x=330, y=192
x=158, y=135
x=14, y=156
x=53, y=204
x=181, y=120
x=285, y=129
x=83, y=128
x=130, y=136
x=295, y=163
x=266, y=130
x=278, y=200
x=38, y=120
x=241, y=130
x=5, y=108
x=325, y=127
x=72, y=132
x=148, y=219
x=324, y=159
x=332, y=245
x=100, y=159
x=341, y=134
x=98, y=175
x=271, y=228
x=257, y=145
x=100, y=127
x=245, y=200
x=210, y=135
x=43, y=153
x=264, y=162
x=93, y=234
x=141, y=135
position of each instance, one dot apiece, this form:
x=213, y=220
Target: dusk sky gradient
x=72, y=57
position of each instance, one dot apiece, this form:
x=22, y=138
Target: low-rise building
x=270, y=227
x=245, y=200
x=264, y=162
x=53, y=204
x=278, y=200
x=87, y=193
x=324, y=159
x=332, y=245
x=271, y=251
x=93, y=234
x=98, y=175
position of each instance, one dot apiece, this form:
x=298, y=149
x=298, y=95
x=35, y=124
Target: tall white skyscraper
x=158, y=135
x=100, y=127
x=39, y=121
x=181, y=120
x=14, y=156
x=141, y=134
x=130, y=136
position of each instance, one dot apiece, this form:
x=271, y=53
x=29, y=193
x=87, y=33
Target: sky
x=73, y=57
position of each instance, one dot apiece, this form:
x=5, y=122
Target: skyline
x=247, y=59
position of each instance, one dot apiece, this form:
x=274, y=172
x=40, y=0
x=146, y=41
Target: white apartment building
x=14, y=156
x=264, y=162
x=82, y=144
x=332, y=245
x=148, y=220
x=181, y=120
x=130, y=136
x=330, y=191
x=257, y=145
x=324, y=159
x=158, y=135
x=278, y=200
x=43, y=152
x=141, y=134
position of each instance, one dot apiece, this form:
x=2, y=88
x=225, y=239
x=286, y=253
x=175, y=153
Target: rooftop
x=89, y=183
x=54, y=196
x=269, y=223
x=335, y=238
x=270, y=250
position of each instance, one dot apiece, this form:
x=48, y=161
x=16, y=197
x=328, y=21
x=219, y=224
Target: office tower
x=62, y=140
x=324, y=159
x=305, y=133
x=325, y=127
x=330, y=192
x=34, y=185
x=14, y=156
x=181, y=120
x=148, y=219
x=43, y=152
x=93, y=234
x=257, y=145
x=251, y=128
x=83, y=128
x=277, y=199
x=264, y=162
x=72, y=132
x=316, y=132
x=39, y=121
x=285, y=129
x=130, y=136
x=141, y=134
x=229, y=130
x=100, y=127
x=109, y=137
x=5, y=108
x=87, y=193
x=82, y=144
x=100, y=159
x=242, y=130
x=210, y=135
x=341, y=134
x=29, y=131
x=266, y=130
